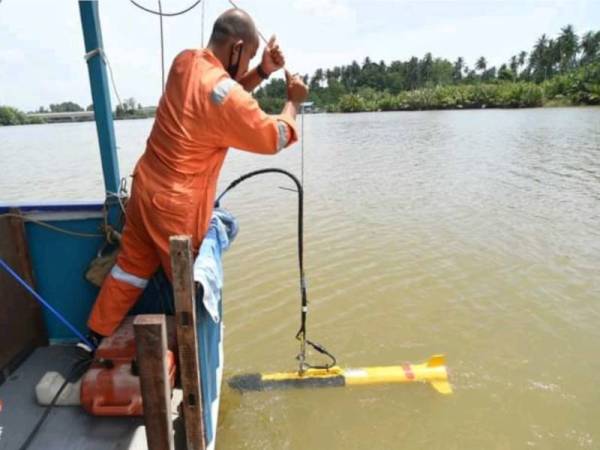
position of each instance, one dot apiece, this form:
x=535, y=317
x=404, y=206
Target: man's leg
x=163, y=226
x=136, y=263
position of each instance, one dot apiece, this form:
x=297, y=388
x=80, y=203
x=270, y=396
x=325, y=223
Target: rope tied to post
x=100, y=52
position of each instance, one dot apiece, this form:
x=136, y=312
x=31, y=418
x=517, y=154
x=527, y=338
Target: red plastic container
x=111, y=386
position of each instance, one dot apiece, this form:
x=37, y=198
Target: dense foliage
x=564, y=70
x=560, y=71
x=12, y=116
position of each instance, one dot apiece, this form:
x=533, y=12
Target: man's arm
x=272, y=60
x=291, y=109
x=252, y=79
x=245, y=126
x=297, y=92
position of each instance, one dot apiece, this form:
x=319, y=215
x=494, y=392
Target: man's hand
x=272, y=58
x=297, y=91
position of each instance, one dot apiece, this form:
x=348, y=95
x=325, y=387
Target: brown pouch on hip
x=100, y=267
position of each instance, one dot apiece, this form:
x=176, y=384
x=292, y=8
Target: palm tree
x=316, y=79
x=458, y=68
x=567, y=48
x=504, y=73
x=537, y=59
x=481, y=64
x=489, y=74
x=337, y=72
x=590, y=47
x=552, y=58
x=514, y=64
x=426, y=68
x=412, y=73
x=521, y=65
x=352, y=74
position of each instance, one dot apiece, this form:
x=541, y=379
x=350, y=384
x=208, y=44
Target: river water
x=470, y=233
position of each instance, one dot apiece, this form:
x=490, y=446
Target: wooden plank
x=151, y=347
x=187, y=340
x=21, y=324
x=26, y=268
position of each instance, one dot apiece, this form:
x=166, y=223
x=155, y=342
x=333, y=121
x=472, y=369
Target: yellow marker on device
x=433, y=372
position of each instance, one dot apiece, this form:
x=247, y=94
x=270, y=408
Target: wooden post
x=151, y=344
x=187, y=340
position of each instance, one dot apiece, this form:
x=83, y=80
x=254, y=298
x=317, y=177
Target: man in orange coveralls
x=206, y=108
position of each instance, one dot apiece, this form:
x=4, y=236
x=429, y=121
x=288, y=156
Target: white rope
x=99, y=51
x=121, y=195
x=119, y=198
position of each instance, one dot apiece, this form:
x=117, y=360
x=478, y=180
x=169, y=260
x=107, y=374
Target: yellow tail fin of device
x=436, y=361
x=442, y=386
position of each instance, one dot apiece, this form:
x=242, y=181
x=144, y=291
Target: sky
x=41, y=43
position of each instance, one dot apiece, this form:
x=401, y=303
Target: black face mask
x=232, y=69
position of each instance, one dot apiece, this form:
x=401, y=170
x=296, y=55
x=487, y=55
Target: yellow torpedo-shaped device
x=433, y=372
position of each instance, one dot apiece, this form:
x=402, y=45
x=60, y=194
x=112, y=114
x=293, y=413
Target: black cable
x=302, y=330
x=323, y=351
x=301, y=334
x=164, y=14
x=80, y=366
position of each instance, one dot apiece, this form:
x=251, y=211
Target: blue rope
x=49, y=307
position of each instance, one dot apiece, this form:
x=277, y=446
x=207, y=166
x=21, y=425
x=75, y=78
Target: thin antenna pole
x=302, y=145
x=202, y=23
x=162, y=48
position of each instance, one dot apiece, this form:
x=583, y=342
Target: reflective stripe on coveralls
x=221, y=90
x=202, y=113
x=128, y=278
x=283, y=135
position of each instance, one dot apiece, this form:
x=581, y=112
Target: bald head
x=233, y=25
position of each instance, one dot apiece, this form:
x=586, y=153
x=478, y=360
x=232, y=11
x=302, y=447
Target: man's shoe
x=84, y=348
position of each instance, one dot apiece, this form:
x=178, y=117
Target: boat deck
x=66, y=427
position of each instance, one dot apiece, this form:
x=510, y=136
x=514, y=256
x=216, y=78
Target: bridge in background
x=72, y=116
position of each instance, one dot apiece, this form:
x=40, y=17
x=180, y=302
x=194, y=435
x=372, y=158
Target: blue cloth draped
x=208, y=271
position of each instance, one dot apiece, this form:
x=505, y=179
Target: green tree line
x=129, y=109
x=13, y=116
x=560, y=70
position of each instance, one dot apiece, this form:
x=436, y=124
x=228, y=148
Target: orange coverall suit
x=202, y=113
